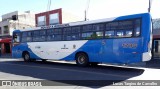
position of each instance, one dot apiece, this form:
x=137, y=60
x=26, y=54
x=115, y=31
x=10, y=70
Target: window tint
x=35, y=33
x=43, y=32
x=67, y=31
x=39, y=36
x=88, y=35
x=54, y=34
x=112, y=26
x=120, y=28
x=99, y=34
x=137, y=31
x=76, y=36
x=26, y=37
x=109, y=34
x=49, y=31
x=87, y=28
x=76, y=29
x=129, y=33
x=98, y=27
x=54, y=37
x=29, y=33
x=120, y=34
x=57, y=31
x=24, y=34
x=124, y=28
x=137, y=27
x=125, y=25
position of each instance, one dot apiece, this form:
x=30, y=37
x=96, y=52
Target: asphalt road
x=67, y=72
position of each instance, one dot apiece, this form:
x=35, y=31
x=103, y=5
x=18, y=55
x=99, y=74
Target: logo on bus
x=64, y=47
x=129, y=45
x=74, y=46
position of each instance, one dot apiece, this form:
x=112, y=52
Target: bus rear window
x=137, y=27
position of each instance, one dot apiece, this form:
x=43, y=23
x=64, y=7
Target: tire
x=44, y=60
x=82, y=59
x=94, y=63
x=26, y=57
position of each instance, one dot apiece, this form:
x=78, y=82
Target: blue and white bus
x=123, y=40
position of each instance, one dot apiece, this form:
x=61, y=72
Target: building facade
x=57, y=16
x=11, y=21
x=156, y=38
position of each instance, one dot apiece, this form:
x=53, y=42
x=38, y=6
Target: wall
x=46, y=14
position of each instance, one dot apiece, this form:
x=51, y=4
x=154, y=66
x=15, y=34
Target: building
x=52, y=17
x=11, y=21
x=156, y=38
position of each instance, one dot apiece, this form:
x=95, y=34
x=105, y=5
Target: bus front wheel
x=26, y=57
x=82, y=59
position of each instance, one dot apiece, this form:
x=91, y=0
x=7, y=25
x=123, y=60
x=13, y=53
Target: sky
x=98, y=9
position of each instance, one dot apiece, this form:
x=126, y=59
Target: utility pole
x=149, y=8
x=85, y=19
x=86, y=10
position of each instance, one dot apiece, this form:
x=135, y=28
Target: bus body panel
x=107, y=50
x=17, y=51
x=113, y=51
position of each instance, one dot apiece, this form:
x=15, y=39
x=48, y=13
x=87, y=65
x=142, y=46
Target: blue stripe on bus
x=112, y=51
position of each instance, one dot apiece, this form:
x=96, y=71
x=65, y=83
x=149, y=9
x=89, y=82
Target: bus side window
x=16, y=38
x=120, y=34
x=88, y=35
x=128, y=33
x=109, y=34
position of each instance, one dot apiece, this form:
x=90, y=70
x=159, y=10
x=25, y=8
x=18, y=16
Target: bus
x=122, y=40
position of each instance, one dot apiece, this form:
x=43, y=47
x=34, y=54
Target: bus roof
x=89, y=22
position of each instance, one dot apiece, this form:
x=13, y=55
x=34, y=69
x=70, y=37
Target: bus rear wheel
x=44, y=60
x=26, y=57
x=82, y=59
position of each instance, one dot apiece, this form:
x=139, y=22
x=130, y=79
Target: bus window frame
x=94, y=31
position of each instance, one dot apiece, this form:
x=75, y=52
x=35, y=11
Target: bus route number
x=129, y=45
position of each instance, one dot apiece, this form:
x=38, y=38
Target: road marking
x=68, y=70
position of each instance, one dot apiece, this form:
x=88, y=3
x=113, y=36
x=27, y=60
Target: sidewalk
x=6, y=56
